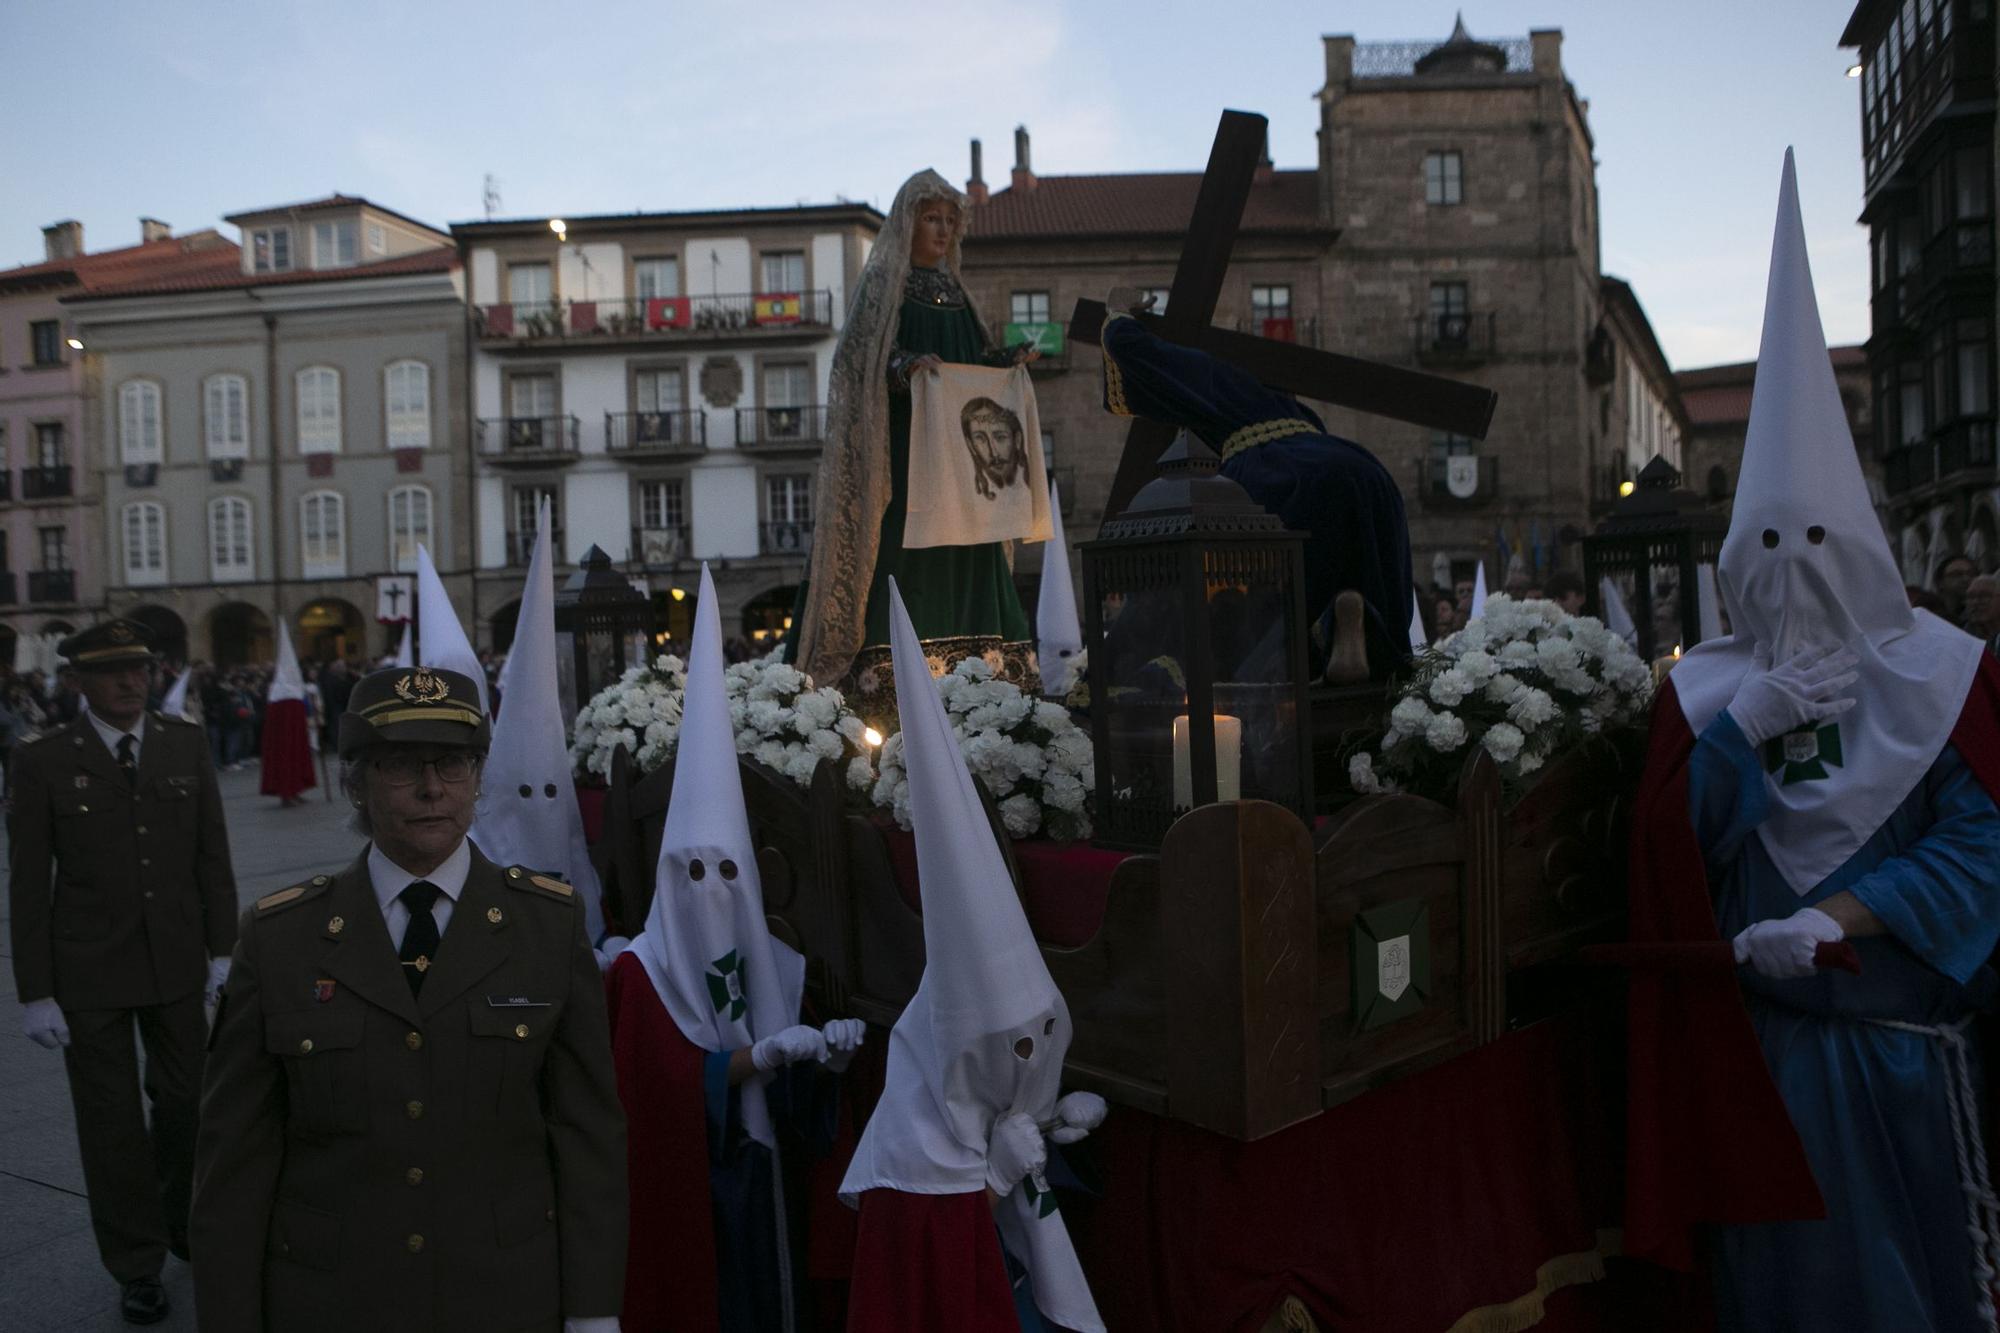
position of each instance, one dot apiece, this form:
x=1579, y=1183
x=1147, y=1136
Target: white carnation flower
x=1445, y=732
x=1020, y=816
x=1503, y=741
x=1361, y=773
x=1450, y=687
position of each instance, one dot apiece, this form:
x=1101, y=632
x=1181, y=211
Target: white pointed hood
x=1805, y=563
x=1478, y=593
x=707, y=945
x=1059, y=636
x=1616, y=618
x=406, y=652
x=1709, y=605
x=175, y=704
x=529, y=814
x=986, y=1032
x=1418, y=640
x=286, y=682
x=439, y=634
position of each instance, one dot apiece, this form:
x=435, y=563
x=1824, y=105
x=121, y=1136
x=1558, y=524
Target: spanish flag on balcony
x=775, y=308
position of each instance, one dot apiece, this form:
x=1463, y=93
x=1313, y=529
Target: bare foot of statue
x=1348, y=663
x=1128, y=298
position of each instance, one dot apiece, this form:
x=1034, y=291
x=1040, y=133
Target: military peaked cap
x=106, y=646
x=414, y=705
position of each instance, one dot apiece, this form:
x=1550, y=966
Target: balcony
x=1473, y=482
x=45, y=483
x=7, y=591
x=527, y=441
x=1457, y=338
x=786, y=539
x=52, y=585
x=681, y=434
x=661, y=548
x=778, y=430
x=752, y=315
x=521, y=546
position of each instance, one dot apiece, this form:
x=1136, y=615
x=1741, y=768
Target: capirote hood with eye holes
x=706, y=946
x=1805, y=564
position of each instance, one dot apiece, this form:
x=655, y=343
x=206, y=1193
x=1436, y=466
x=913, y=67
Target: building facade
x=1450, y=226
x=277, y=429
x=660, y=379
x=1927, y=83
x=1717, y=402
x=51, y=533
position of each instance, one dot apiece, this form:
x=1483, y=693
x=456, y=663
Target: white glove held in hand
x=788, y=1047
x=218, y=973
x=1079, y=1112
x=1014, y=1151
x=1783, y=950
x=843, y=1039
x=607, y=952
x=42, y=1023
x=1811, y=687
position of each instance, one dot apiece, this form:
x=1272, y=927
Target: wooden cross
x=1346, y=381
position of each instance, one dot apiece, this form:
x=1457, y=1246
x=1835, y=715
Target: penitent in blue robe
x=1869, y=1102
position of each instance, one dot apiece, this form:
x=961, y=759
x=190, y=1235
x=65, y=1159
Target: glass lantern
x=1194, y=607
x=603, y=625
x=1653, y=546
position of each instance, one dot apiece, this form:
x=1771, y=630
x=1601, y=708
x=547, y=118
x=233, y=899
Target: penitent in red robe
x=1709, y=1139
x=287, y=757
x=927, y=1262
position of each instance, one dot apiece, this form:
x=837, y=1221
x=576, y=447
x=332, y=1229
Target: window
x=1450, y=325
x=333, y=245
x=1444, y=178
x=656, y=277
x=662, y=504
x=45, y=340
x=787, y=513
x=406, y=389
x=378, y=240
x=319, y=410
x=1910, y=403
x=139, y=422
x=1048, y=453
x=784, y=271
x=1268, y=303
x=1028, y=308
x=49, y=444
x=528, y=284
x=323, y=535
x=1975, y=375
x=229, y=559
x=55, y=548
x=226, y=416
x=271, y=249
x=787, y=391
x=145, y=543
x=658, y=394
x=521, y=531
x=409, y=525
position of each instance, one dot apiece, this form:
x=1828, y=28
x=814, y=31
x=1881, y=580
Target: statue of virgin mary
x=909, y=313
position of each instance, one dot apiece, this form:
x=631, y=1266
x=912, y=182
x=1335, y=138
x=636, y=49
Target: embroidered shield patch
x=1804, y=755
x=1392, y=967
x=322, y=990
x=725, y=985
x=1042, y=1199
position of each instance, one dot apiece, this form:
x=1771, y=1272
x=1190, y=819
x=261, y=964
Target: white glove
x=1014, y=1151
x=1079, y=1113
x=1783, y=950
x=843, y=1039
x=788, y=1047
x=607, y=1323
x=42, y=1023
x=607, y=952
x=1810, y=687
x=218, y=973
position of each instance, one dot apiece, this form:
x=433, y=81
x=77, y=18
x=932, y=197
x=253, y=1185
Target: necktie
x=128, y=759
x=420, y=938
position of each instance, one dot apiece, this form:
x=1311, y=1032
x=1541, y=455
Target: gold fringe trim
x=1114, y=378
x=1249, y=437
x=1565, y=1270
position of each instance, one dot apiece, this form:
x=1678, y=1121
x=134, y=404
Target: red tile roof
x=1146, y=204
x=224, y=274
x=1720, y=395
x=132, y=263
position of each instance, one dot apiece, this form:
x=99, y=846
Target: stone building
x=51, y=534
x=277, y=428
x=661, y=378
x=1717, y=402
x=1926, y=80
x=1449, y=225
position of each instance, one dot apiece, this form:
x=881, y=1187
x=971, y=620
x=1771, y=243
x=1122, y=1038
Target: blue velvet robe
x=1869, y=1102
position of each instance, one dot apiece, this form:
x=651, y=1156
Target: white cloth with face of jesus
x=976, y=471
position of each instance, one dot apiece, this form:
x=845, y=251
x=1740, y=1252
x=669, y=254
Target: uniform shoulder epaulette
x=170, y=719
x=297, y=893
x=523, y=878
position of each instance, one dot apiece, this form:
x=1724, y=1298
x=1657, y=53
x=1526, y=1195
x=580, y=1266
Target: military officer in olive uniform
x=124, y=913
x=411, y=1121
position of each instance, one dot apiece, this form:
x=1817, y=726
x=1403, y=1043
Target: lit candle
x=1228, y=761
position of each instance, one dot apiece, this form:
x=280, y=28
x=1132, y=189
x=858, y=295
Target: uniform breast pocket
x=325, y=1070
x=507, y=1047
x=172, y=803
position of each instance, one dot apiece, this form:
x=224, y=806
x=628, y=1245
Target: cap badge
x=120, y=632
x=421, y=687
x=334, y=926
x=493, y=915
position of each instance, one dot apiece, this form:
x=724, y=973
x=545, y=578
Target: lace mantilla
x=934, y=287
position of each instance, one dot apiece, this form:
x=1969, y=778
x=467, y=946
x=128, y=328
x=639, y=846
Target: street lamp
x=560, y=228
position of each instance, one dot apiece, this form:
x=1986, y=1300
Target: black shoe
x=144, y=1301
x=177, y=1245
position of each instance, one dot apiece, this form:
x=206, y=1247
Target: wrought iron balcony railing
x=734, y=315
x=45, y=483
x=790, y=538
x=675, y=434
x=661, y=547
x=51, y=585
x=527, y=439
x=1455, y=337
x=780, y=428
x=521, y=546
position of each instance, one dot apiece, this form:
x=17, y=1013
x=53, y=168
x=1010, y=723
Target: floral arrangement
x=780, y=719
x=1525, y=681
x=1034, y=760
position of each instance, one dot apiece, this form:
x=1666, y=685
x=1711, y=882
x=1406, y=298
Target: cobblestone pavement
x=50, y=1277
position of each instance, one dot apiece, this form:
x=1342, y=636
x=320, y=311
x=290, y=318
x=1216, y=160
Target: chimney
x=152, y=229
x=975, y=188
x=63, y=240
x=1024, y=175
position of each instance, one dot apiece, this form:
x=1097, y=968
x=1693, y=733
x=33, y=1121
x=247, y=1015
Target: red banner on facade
x=667, y=312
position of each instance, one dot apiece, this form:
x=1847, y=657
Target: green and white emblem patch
x=1042, y=1200
x=725, y=985
x=1804, y=755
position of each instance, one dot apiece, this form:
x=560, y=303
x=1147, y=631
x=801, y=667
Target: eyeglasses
x=401, y=770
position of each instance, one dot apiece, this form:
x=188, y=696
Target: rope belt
x=1982, y=1207
x=1263, y=432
